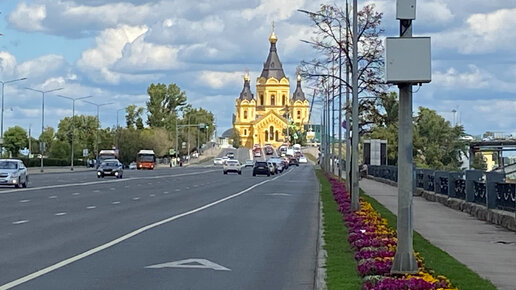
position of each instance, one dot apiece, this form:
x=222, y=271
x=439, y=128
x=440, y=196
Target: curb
x=320, y=271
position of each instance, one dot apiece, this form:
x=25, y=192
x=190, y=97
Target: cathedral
x=264, y=119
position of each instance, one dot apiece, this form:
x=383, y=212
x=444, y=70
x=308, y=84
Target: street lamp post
x=117, y=127
x=355, y=201
x=73, y=123
x=2, y=122
x=98, y=124
x=42, y=144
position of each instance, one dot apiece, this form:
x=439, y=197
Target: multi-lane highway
x=171, y=228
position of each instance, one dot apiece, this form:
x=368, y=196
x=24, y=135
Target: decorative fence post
x=471, y=177
x=441, y=182
x=492, y=178
x=453, y=177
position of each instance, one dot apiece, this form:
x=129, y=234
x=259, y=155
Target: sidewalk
x=487, y=249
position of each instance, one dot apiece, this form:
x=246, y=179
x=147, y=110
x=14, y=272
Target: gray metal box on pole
x=407, y=60
x=406, y=9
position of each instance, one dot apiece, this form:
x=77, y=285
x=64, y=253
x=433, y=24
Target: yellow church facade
x=264, y=118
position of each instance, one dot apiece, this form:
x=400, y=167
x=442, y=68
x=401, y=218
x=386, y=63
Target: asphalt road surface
x=171, y=228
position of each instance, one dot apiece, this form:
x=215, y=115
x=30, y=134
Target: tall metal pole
x=117, y=127
x=404, y=259
x=2, y=118
x=332, y=136
x=328, y=127
x=340, y=101
x=98, y=125
x=42, y=149
x=348, y=123
x=355, y=201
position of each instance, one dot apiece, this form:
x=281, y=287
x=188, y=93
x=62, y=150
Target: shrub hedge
x=36, y=162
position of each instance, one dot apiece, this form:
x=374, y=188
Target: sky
x=113, y=50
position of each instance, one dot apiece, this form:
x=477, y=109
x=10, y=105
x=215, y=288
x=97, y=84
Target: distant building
x=264, y=119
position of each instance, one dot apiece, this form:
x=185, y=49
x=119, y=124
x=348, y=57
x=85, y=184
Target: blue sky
x=113, y=50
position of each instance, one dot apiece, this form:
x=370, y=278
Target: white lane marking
x=115, y=202
x=25, y=200
x=279, y=194
x=187, y=187
x=91, y=207
x=112, y=188
x=152, y=195
x=52, y=196
x=178, y=189
x=165, y=192
x=20, y=222
x=60, y=213
x=195, y=185
x=199, y=264
x=103, y=181
x=96, y=190
x=121, y=239
x=76, y=193
x=136, y=198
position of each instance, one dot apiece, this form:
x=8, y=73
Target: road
x=171, y=228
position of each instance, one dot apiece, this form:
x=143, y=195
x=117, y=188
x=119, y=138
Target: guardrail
x=488, y=189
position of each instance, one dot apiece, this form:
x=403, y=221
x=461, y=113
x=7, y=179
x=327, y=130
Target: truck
x=106, y=154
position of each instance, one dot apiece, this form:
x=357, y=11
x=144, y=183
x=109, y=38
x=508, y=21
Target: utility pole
x=355, y=200
x=98, y=125
x=408, y=61
x=348, y=123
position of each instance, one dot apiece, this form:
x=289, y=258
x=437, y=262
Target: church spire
x=298, y=93
x=272, y=68
x=246, y=93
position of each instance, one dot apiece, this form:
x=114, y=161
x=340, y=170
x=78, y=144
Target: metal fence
x=485, y=188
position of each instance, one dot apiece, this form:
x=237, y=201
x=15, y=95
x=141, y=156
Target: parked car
x=302, y=159
x=132, y=165
x=111, y=167
x=13, y=172
x=249, y=163
x=232, y=166
x=217, y=161
x=261, y=167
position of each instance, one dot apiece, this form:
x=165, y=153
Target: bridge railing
x=484, y=188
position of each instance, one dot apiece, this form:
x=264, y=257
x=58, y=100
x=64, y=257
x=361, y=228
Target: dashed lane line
x=25, y=200
x=123, y=238
x=53, y=197
x=115, y=202
x=20, y=222
x=91, y=207
x=60, y=213
x=76, y=193
x=104, y=181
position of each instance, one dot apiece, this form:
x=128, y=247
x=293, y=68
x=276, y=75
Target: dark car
x=230, y=155
x=110, y=167
x=261, y=167
x=293, y=161
x=268, y=150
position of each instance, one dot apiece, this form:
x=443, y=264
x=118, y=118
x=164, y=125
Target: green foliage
x=133, y=117
x=236, y=139
x=60, y=149
x=436, y=259
x=163, y=103
x=129, y=143
x=84, y=132
x=15, y=139
x=479, y=162
x=341, y=267
x=47, y=137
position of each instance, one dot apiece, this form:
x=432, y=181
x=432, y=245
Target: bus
x=145, y=159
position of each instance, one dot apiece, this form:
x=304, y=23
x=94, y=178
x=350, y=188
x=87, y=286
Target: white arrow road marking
x=90, y=252
x=191, y=264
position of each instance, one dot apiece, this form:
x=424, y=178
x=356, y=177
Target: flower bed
x=375, y=245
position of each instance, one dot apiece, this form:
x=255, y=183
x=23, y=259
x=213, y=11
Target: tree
x=85, y=130
x=331, y=26
x=133, y=116
x=236, y=139
x=15, y=139
x=47, y=138
x=163, y=103
x=479, y=162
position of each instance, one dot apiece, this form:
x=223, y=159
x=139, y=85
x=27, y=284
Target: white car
x=132, y=165
x=217, y=161
x=232, y=166
x=13, y=172
x=302, y=159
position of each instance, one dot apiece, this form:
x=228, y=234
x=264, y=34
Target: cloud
x=42, y=66
x=7, y=64
x=472, y=79
x=144, y=56
x=217, y=79
x=28, y=18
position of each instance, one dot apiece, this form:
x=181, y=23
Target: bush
x=36, y=162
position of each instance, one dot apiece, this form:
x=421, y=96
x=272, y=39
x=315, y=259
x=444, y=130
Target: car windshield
x=8, y=165
x=261, y=164
x=110, y=164
x=232, y=162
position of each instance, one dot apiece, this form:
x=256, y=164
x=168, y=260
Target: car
x=230, y=155
x=232, y=166
x=302, y=159
x=261, y=167
x=293, y=161
x=249, y=163
x=218, y=161
x=13, y=172
x=132, y=165
x=279, y=165
x=224, y=159
x=111, y=167
x=269, y=150
x=272, y=167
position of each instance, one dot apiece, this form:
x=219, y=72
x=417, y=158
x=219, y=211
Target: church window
x=276, y=135
x=283, y=101
x=273, y=100
x=245, y=114
x=266, y=135
x=261, y=100
x=245, y=132
x=299, y=114
x=271, y=129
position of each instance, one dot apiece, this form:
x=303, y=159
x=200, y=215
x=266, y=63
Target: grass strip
x=341, y=267
x=434, y=258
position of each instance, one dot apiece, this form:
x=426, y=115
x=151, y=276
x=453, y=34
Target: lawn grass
x=341, y=267
x=436, y=259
